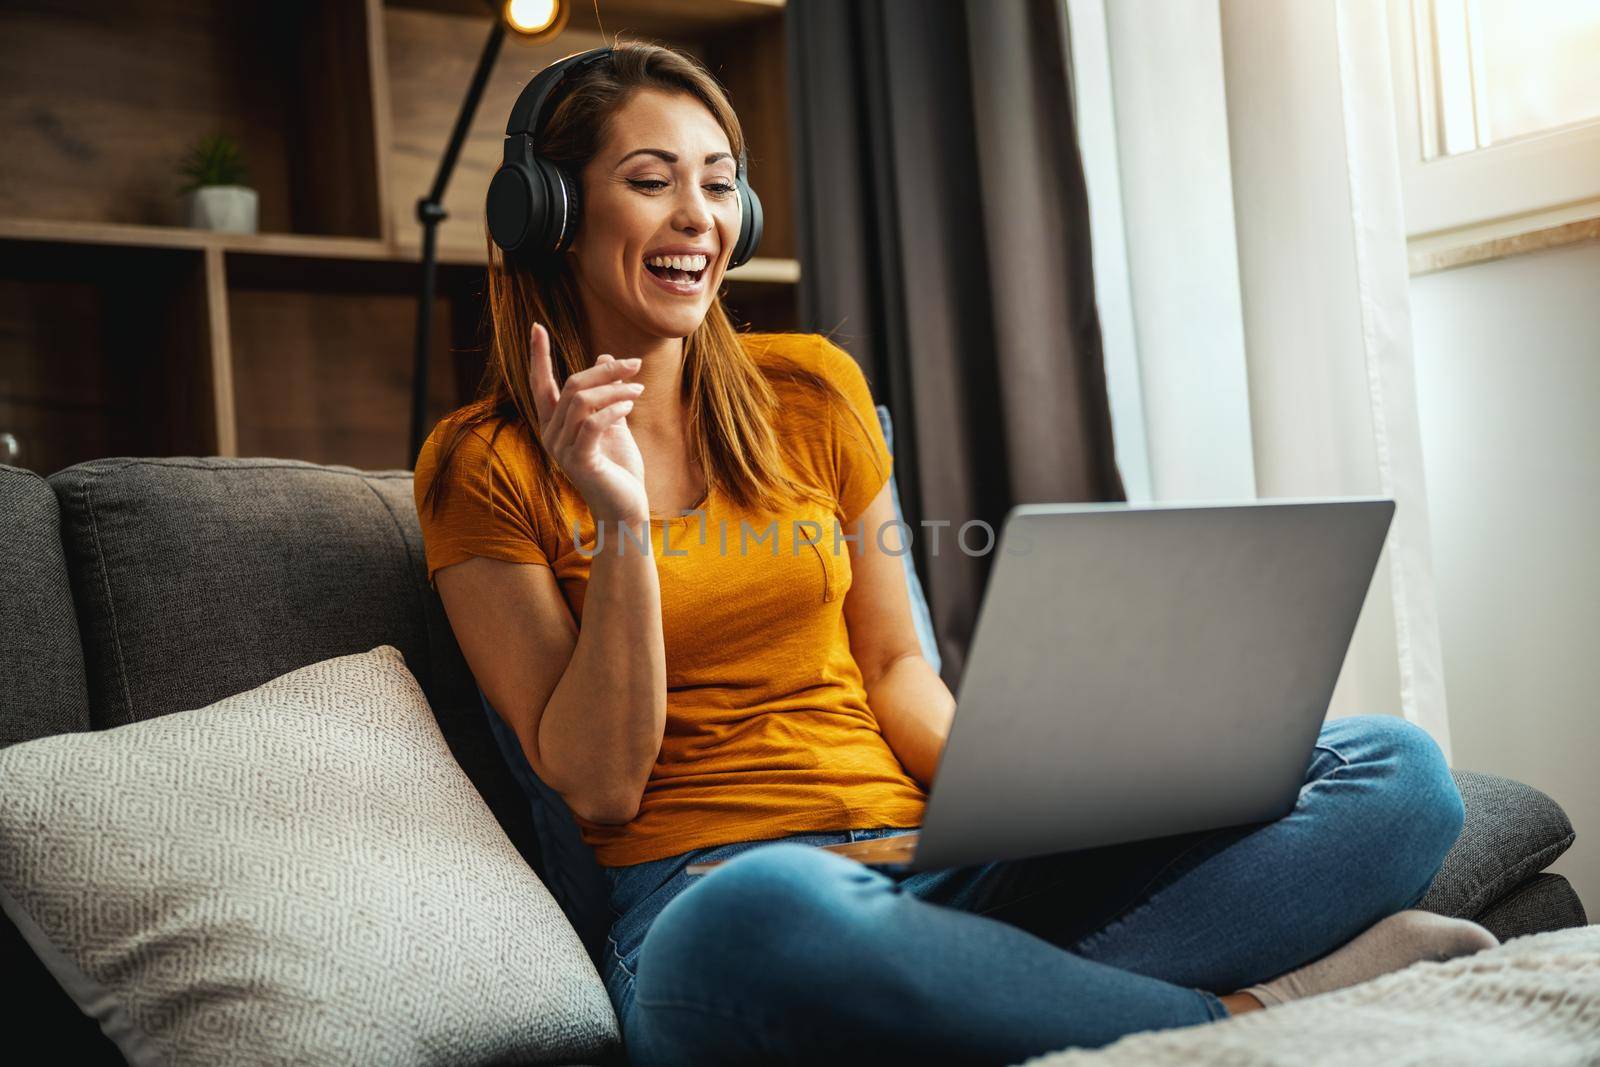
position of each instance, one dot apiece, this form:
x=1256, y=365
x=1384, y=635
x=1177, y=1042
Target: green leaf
x=213, y=160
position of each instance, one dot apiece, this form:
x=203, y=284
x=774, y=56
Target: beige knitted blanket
x=1535, y=1000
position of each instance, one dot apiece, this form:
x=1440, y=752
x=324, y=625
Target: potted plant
x=215, y=196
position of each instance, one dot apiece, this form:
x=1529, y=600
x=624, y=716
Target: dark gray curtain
x=943, y=238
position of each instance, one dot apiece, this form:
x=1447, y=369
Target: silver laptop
x=1139, y=671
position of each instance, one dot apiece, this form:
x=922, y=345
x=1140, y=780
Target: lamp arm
x=430, y=212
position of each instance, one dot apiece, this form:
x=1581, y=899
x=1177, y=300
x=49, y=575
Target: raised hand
x=584, y=426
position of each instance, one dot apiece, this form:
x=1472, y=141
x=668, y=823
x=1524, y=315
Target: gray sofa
x=137, y=587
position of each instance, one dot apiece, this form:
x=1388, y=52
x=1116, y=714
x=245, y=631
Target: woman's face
x=638, y=203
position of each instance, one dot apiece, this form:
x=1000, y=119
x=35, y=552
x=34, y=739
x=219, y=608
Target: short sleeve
x=861, y=459
x=485, y=509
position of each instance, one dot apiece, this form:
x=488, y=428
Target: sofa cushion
x=920, y=615
x=299, y=873
x=1511, y=832
x=43, y=693
x=266, y=565
x=41, y=659
x=572, y=874
x=1544, y=902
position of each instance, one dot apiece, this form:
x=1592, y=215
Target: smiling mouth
x=682, y=277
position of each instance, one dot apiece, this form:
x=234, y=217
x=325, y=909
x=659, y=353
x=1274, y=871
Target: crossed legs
x=791, y=954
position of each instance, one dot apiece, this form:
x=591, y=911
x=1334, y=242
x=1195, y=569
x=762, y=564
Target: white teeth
x=690, y=263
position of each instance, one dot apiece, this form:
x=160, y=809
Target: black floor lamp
x=536, y=21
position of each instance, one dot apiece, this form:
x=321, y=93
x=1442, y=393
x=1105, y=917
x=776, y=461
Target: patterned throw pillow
x=300, y=873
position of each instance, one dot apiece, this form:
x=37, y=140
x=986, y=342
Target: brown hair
x=731, y=400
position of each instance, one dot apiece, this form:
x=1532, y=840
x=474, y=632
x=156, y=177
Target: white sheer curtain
x=1256, y=181
x=1322, y=255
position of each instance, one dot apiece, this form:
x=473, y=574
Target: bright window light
x=1492, y=71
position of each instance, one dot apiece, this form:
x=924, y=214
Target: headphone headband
x=530, y=106
x=530, y=113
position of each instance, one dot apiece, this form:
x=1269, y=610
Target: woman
x=710, y=700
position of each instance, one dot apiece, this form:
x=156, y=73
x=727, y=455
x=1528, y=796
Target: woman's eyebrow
x=670, y=157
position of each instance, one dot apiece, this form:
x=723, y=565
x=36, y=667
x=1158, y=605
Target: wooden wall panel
x=665, y=20
x=104, y=100
x=336, y=179
x=102, y=352
x=325, y=376
x=751, y=64
x=431, y=58
x=761, y=307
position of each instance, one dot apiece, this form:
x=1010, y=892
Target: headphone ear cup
x=571, y=190
x=513, y=207
x=750, y=225
x=551, y=208
x=532, y=209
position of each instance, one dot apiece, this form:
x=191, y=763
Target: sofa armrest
x=1544, y=902
x=1512, y=832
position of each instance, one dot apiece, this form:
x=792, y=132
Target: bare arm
x=588, y=703
x=589, y=718
x=605, y=720
x=913, y=706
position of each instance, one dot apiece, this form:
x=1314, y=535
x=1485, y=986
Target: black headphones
x=533, y=204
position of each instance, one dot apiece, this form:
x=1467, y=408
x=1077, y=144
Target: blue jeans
x=787, y=954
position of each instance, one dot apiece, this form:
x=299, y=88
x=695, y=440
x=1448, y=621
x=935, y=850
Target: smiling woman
x=618, y=395
x=646, y=147
x=707, y=691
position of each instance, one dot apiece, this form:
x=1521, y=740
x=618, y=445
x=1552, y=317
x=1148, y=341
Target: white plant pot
x=231, y=208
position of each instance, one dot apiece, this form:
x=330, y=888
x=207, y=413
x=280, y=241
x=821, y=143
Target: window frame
x=1527, y=185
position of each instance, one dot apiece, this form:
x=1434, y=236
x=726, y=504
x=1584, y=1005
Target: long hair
x=730, y=397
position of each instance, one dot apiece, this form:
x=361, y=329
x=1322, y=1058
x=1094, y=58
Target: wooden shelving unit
x=125, y=333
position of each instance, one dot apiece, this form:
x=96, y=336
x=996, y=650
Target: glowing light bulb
x=530, y=16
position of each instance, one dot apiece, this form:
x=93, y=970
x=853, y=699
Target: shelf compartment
x=762, y=307
x=322, y=355
x=104, y=351
x=291, y=81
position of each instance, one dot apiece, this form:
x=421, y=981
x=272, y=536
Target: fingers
x=585, y=403
x=551, y=401
x=574, y=403
x=596, y=424
x=541, y=376
x=605, y=369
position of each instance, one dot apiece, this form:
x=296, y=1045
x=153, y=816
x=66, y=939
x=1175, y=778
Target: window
x=1498, y=113
x=1500, y=70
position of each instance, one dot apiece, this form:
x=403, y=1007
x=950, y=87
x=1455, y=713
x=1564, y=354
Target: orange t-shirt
x=768, y=731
